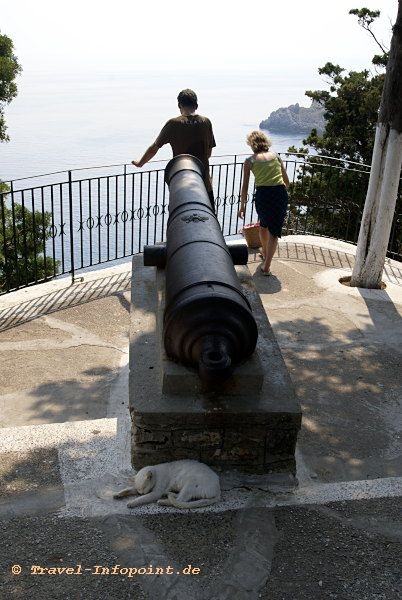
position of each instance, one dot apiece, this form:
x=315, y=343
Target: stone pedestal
x=250, y=424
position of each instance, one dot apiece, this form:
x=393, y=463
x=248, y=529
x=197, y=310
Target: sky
x=170, y=35
x=101, y=77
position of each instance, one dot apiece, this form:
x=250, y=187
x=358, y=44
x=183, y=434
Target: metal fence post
x=70, y=203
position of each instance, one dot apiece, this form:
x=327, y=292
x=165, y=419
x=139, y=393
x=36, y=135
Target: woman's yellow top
x=267, y=172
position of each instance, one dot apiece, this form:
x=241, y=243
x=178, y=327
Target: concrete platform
x=250, y=423
x=65, y=444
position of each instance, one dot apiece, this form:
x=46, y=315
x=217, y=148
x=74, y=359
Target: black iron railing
x=66, y=222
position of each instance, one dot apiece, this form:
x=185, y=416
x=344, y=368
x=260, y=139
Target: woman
x=271, y=196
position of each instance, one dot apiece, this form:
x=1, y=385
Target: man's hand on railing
x=148, y=154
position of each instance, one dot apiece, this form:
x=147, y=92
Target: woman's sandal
x=266, y=273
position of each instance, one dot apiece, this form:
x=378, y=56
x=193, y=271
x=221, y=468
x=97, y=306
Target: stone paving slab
x=338, y=535
x=61, y=366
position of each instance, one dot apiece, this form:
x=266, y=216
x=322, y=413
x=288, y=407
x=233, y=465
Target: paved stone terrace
x=64, y=448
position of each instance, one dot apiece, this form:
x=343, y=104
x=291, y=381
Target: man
x=188, y=134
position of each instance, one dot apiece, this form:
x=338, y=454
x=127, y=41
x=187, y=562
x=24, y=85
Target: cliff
x=295, y=119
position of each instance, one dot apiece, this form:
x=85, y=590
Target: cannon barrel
x=155, y=255
x=208, y=322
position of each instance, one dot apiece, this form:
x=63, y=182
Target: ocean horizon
x=87, y=120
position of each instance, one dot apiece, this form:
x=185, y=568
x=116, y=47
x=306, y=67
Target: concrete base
x=250, y=424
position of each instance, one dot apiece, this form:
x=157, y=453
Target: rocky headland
x=295, y=119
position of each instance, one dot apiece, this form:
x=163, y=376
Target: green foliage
x=332, y=192
x=326, y=199
x=365, y=18
x=23, y=235
x=351, y=104
x=4, y=188
x=351, y=110
x=9, y=69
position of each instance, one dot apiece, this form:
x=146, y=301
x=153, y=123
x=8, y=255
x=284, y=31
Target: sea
x=63, y=121
x=93, y=123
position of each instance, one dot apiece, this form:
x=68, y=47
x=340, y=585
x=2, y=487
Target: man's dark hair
x=188, y=98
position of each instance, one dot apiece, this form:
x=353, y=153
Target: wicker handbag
x=252, y=235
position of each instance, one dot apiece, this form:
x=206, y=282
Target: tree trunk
x=385, y=173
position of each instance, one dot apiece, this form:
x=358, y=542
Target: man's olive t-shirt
x=189, y=135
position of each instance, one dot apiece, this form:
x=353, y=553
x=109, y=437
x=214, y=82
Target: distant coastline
x=295, y=119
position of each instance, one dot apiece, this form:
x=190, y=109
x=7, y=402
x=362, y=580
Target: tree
x=366, y=18
x=9, y=69
x=331, y=192
x=333, y=196
x=23, y=235
x=351, y=108
x=351, y=104
x=385, y=173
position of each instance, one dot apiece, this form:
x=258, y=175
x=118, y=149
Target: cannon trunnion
x=208, y=322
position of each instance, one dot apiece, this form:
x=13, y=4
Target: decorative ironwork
x=194, y=218
x=66, y=222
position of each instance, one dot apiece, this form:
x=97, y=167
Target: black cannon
x=208, y=322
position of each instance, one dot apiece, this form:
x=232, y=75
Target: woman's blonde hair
x=258, y=141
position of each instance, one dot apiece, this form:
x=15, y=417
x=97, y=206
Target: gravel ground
x=343, y=551
x=53, y=542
